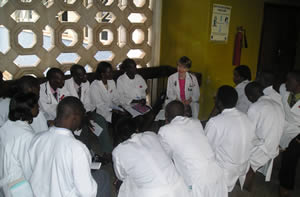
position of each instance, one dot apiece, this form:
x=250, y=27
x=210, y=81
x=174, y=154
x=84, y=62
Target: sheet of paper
x=133, y=112
x=77, y=132
x=97, y=129
x=95, y=165
x=117, y=108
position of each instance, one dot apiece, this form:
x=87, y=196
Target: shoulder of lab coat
x=221, y=130
x=117, y=163
x=39, y=123
x=292, y=115
x=121, y=87
x=85, y=92
x=269, y=91
x=243, y=103
x=167, y=133
x=73, y=159
x=15, y=137
x=173, y=92
x=102, y=99
x=125, y=90
x=47, y=101
x=192, y=82
x=4, y=110
x=282, y=89
x=269, y=128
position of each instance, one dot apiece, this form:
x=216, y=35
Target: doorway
x=280, y=41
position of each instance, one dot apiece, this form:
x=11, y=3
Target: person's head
x=104, y=71
x=125, y=127
x=173, y=109
x=241, y=73
x=56, y=78
x=184, y=64
x=23, y=107
x=29, y=84
x=266, y=79
x=78, y=73
x=129, y=66
x=69, y=113
x=293, y=82
x=226, y=98
x=253, y=91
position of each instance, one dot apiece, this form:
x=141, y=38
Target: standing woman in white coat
x=184, y=86
x=241, y=77
x=15, y=137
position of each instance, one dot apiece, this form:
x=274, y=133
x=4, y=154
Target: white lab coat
x=192, y=90
x=4, y=110
x=104, y=100
x=243, y=103
x=189, y=148
x=47, y=101
x=38, y=124
x=292, y=123
x=231, y=136
x=153, y=176
x=270, y=92
x=61, y=165
x=85, y=93
x=268, y=118
x=282, y=90
x=131, y=89
x=15, y=138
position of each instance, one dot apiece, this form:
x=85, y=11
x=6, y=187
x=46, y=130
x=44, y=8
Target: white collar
x=61, y=131
x=242, y=83
x=228, y=110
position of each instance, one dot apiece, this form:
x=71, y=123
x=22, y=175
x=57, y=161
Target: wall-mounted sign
x=220, y=22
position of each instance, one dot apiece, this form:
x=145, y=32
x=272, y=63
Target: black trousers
x=289, y=163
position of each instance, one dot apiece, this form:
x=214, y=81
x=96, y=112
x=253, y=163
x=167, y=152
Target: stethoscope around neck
x=48, y=96
x=191, y=85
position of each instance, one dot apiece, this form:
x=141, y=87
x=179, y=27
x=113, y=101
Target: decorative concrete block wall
x=38, y=34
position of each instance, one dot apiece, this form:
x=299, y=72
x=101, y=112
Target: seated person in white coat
x=15, y=138
x=290, y=140
x=241, y=77
x=104, y=95
x=184, y=140
x=183, y=86
x=30, y=84
x=132, y=93
x=231, y=135
x=27, y=84
x=51, y=93
x=94, y=136
x=61, y=164
x=267, y=79
x=152, y=176
x=268, y=119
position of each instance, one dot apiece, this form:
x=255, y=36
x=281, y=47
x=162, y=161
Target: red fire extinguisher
x=240, y=37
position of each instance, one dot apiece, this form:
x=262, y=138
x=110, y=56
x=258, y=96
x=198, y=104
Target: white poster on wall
x=220, y=23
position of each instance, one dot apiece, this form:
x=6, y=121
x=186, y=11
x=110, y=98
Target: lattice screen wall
x=39, y=36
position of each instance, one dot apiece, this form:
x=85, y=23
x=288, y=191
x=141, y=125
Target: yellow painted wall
x=186, y=31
